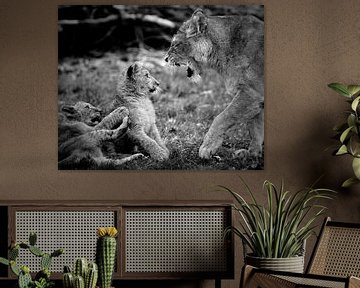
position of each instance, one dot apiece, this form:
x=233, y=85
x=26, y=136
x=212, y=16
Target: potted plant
x=42, y=278
x=348, y=132
x=106, y=254
x=275, y=233
x=87, y=274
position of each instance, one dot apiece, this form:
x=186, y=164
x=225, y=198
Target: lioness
x=133, y=91
x=79, y=141
x=234, y=47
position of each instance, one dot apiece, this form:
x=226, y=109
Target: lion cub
x=82, y=134
x=133, y=90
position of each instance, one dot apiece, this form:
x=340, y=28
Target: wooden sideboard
x=157, y=240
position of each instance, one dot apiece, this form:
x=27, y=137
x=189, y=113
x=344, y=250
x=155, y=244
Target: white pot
x=291, y=264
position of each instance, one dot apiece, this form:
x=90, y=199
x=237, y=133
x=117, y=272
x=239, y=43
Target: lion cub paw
x=137, y=156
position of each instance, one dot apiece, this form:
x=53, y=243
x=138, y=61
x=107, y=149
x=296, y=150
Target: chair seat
x=315, y=281
x=268, y=279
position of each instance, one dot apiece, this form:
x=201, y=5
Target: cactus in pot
x=25, y=279
x=42, y=278
x=91, y=276
x=68, y=278
x=81, y=266
x=85, y=275
x=79, y=282
x=106, y=254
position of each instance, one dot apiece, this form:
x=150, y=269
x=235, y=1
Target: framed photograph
x=161, y=87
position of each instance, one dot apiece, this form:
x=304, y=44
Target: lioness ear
x=197, y=24
x=130, y=71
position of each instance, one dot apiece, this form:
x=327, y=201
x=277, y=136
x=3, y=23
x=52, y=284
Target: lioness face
x=90, y=114
x=189, y=46
x=144, y=81
x=180, y=53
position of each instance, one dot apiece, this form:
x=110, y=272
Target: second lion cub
x=133, y=90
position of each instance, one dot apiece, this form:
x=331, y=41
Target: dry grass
x=184, y=110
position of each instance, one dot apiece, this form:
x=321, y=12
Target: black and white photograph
x=160, y=87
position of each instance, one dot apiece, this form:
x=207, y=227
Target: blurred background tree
x=96, y=29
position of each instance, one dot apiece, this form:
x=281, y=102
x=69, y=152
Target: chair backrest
x=337, y=251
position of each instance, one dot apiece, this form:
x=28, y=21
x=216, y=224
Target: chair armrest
x=246, y=273
x=252, y=277
x=354, y=282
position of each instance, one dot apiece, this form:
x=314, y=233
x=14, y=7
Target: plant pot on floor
x=275, y=233
x=290, y=264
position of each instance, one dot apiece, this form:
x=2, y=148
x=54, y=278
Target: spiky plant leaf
x=13, y=253
x=36, y=251
x=57, y=252
x=340, y=88
x=14, y=268
x=355, y=103
x=67, y=269
x=24, y=280
x=32, y=238
x=349, y=132
x=342, y=150
x=356, y=167
x=43, y=274
x=349, y=182
x=354, y=90
x=4, y=261
x=23, y=245
x=279, y=228
x=45, y=261
x=68, y=280
x=345, y=134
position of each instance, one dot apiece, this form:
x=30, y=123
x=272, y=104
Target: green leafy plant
x=43, y=283
x=349, y=132
x=279, y=229
x=42, y=278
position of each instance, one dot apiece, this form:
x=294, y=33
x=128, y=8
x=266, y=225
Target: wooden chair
x=334, y=263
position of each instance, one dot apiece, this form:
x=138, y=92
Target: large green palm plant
x=349, y=132
x=279, y=229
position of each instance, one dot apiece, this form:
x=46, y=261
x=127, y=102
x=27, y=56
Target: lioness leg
x=257, y=134
x=214, y=137
x=150, y=145
x=256, y=130
x=247, y=102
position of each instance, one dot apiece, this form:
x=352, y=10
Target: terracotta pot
x=291, y=264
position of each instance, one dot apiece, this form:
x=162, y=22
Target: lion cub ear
x=132, y=70
x=197, y=24
x=68, y=109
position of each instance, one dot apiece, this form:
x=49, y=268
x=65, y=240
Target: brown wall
x=308, y=45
